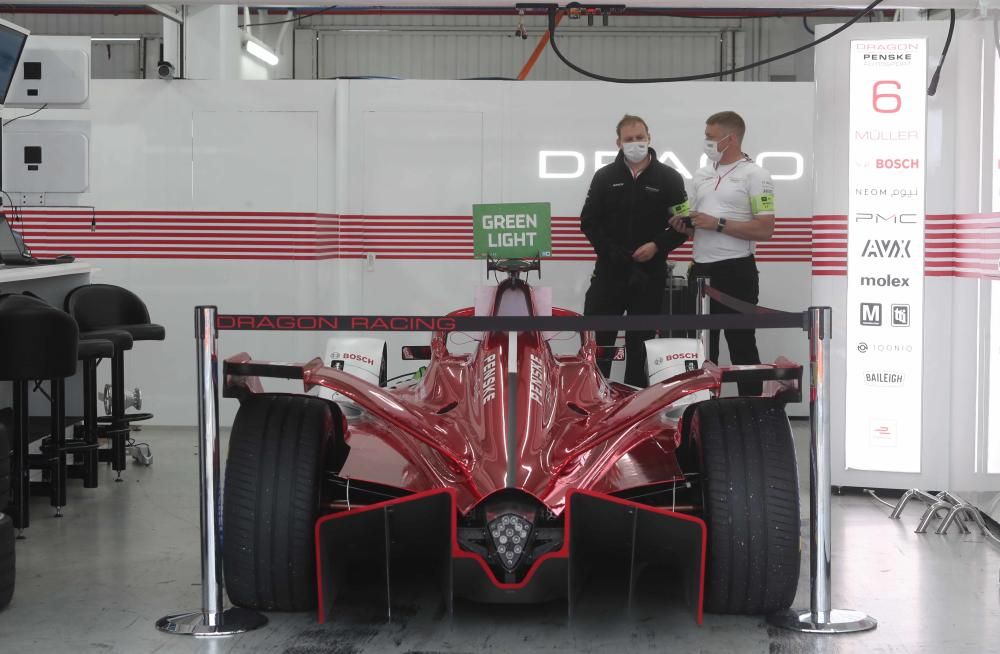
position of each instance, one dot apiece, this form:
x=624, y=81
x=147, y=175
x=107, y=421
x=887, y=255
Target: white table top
x=9, y=274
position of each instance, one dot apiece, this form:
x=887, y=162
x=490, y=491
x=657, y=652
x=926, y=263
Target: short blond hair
x=730, y=120
x=629, y=119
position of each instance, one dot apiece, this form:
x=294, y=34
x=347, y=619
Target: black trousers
x=609, y=296
x=740, y=279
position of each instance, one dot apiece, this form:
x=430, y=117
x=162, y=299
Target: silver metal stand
x=213, y=619
x=820, y=618
x=702, y=307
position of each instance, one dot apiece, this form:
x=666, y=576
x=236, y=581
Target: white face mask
x=712, y=150
x=636, y=151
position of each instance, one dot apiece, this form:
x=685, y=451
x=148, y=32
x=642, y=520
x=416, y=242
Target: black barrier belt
x=737, y=304
x=350, y=323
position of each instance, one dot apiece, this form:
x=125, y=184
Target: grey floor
x=126, y=554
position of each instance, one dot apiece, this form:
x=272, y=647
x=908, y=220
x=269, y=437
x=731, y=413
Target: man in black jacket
x=625, y=218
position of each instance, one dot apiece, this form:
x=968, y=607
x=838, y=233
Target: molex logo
x=889, y=281
x=886, y=249
x=871, y=314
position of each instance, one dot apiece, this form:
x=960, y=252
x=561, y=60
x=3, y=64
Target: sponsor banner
x=512, y=231
x=353, y=323
x=993, y=383
x=885, y=254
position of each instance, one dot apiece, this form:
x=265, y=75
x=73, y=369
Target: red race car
x=511, y=474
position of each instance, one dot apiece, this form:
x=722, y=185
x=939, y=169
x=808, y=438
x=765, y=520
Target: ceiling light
x=256, y=47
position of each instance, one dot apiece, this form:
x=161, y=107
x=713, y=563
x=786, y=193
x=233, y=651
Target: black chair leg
x=119, y=429
x=21, y=492
x=90, y=422
x=57, y=462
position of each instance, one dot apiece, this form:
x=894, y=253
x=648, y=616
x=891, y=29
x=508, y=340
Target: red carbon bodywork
x=573, y=428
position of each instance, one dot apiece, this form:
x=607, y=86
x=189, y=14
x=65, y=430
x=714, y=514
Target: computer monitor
x=9, y=246
x=12, y=40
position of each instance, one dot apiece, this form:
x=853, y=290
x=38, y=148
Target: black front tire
x=278, y=450
x=751, y=504
x=7, y=560
x=5, y=476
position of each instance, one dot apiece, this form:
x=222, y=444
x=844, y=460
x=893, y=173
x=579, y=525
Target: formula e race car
x=511, y=474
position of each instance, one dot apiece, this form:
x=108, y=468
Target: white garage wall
x=351, y=168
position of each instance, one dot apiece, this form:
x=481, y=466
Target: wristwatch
x=722, y=223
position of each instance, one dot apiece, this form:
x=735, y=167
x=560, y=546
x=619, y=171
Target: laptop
x=14, y=253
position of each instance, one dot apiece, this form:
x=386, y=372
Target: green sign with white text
x=512, y=231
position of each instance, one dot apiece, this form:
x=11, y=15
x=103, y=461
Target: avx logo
x=886, y=249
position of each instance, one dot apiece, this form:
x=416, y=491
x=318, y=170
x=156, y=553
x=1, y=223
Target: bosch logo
x=898, y=164
x=659, y=361
x=351, y=356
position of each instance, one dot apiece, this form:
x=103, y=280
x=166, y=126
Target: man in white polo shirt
x=732, y=208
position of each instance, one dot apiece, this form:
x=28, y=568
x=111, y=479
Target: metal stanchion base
x=230, y=622
x=840, y=622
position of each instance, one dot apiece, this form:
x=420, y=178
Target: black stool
x=95, y=346
x=37, y=341
x=84, y=446
x=99, y=309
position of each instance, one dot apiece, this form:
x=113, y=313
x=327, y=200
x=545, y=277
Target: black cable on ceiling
x=292, y=20
x=932, y=88
x=701, y=76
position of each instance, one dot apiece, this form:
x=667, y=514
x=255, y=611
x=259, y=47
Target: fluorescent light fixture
x=256, y=47
x=115, y=38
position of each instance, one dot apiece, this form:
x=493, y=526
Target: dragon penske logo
x=490, y=378
x=535, y=384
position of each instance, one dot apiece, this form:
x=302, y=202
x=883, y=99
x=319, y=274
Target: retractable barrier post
x=702, y=307
x=213, y=619
x=820, y=618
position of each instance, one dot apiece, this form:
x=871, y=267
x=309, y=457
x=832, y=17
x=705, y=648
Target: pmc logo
x=886, y=249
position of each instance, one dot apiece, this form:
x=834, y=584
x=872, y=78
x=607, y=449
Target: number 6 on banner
x=876, y=96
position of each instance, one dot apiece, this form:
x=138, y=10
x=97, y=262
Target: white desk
x=51, y=283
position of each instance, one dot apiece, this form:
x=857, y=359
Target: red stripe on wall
x=956, y=245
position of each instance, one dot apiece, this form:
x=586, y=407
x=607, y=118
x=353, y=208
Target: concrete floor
x=126, y=554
